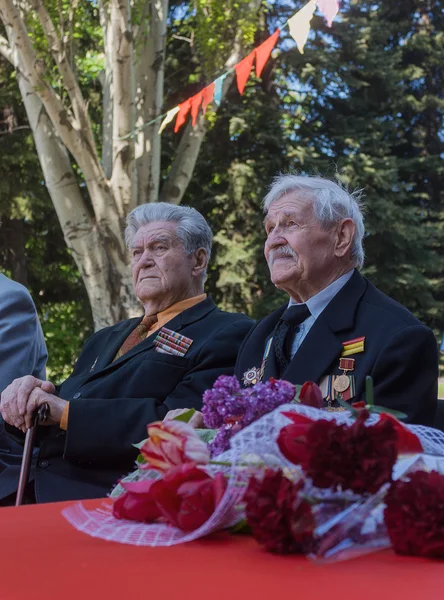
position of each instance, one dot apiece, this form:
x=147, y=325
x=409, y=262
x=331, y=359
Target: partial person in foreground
x=135, y=372
x=22, y=345
x=336, y=328
x=22, y=352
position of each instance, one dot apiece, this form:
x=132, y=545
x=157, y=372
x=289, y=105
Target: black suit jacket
x=401, y=354
x=112, y=402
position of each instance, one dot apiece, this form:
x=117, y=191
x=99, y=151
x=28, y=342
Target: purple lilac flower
x=223, y=401
x=222, y=441
x=263, y=398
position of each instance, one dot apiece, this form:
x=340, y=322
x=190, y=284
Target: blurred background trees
x=364, y=103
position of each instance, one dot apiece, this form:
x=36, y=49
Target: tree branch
x=106, y=80
x=123, y=176
x=149, y=100
x=6, y=51
x=69, y=79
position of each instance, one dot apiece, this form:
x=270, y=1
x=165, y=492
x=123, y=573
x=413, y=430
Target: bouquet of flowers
x=327, y=484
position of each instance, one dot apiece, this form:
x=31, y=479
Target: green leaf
x=140, y=460
x=381, y=409
x=140, y=444
x=186, y=416
x=346, y=405
x=240, y=528
x=369, y=394
x=206, y=435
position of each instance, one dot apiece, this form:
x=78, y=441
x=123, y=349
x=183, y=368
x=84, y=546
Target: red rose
x=137, y=503
x=414, y=514
x=292, y=439
x=311, y=395
x=187, y=496
x=280, y=520
x=408, y=442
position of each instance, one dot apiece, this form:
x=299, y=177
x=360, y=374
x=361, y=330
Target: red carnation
x=280, y=520
x=352, y=457
x=414, y=515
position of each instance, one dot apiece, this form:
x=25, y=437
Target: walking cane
x=40, y=415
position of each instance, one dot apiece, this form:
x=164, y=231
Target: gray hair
x=192, y=229
x=331, y=204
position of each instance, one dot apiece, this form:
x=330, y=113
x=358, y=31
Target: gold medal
x=342, y=383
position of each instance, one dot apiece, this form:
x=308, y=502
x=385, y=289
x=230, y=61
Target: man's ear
x=201, y=261
x=345, y=234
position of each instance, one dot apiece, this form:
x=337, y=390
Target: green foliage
x=66, y=327
x=364, y=104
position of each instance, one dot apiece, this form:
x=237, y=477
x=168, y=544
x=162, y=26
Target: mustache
x=281, y=252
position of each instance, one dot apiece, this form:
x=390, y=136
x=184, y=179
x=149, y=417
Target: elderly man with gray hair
x=135, y=372
x=336, y=328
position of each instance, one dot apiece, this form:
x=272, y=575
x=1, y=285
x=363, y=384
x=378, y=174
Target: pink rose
x=173, y=443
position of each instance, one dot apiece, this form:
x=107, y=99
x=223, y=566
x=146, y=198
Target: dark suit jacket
x=401, y=354
x=112, y=402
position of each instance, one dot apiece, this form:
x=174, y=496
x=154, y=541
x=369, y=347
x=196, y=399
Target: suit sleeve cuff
x=64, y=420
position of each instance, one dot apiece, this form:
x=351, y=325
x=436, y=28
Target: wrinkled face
x=299, y=253
x=161, y=270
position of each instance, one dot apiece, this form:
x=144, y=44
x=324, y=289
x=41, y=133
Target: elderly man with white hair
x=135, y=372
x=336, y=328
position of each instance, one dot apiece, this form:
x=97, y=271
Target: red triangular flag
x=243, y=70
x=208, y=96
x=196, y=101
x=184, y=109
x=264, y=50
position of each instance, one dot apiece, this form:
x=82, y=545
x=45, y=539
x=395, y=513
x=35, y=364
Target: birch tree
x=121, y=168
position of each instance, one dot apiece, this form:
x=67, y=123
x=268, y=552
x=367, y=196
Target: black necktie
x=284, y=332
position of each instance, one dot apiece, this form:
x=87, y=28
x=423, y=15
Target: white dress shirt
x=316, y=305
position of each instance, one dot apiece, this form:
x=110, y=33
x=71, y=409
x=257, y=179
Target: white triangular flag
x=299, y=24
x=168, y=118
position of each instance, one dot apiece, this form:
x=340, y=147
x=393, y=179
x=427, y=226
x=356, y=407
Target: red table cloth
x=43, y=557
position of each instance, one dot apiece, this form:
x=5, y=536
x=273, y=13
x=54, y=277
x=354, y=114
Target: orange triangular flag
x=208, y=96
x=264, y=50
x=243, y=70
x=184, y=109
x=196, y=101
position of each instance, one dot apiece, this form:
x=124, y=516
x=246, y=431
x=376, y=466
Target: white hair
x=331, y=204
x=192, y=229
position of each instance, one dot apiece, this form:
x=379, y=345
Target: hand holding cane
x=40, y=415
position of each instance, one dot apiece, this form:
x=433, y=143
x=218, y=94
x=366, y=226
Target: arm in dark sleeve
x=104, y=429
x=405, y=374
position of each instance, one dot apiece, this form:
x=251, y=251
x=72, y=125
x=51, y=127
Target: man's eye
x=160, y=247
x=270, y=229
x=137, y=252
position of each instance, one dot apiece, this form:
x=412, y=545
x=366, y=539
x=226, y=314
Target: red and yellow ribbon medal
x=345, y=384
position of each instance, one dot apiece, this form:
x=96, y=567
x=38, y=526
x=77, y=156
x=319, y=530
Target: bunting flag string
x=299, y=26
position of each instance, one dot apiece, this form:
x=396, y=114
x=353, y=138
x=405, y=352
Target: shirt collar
x=319, y=301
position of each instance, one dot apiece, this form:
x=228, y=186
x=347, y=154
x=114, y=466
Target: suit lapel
x=322, y=346
x=106, y=361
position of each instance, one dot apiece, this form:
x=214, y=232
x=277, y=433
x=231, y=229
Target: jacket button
x=43, y=464
x=76, y=395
